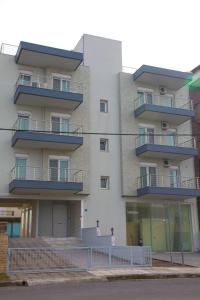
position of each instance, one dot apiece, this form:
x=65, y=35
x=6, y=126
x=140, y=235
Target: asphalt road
x=119, y=290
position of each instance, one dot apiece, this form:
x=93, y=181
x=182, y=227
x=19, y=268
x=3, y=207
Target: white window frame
x=106, y=145
x=149, y=165
x=23, y=72
x=105, y=101
x=59, y=158
x=25, y=114
x=143, y=89
x=23, y=156
x=60, y=116
x=145, y=164
x=60, y=76
x=108, y=182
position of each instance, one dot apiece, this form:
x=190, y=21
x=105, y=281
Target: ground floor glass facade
x=164, y=227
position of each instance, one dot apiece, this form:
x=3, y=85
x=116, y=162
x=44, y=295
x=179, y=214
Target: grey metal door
x=59, y=220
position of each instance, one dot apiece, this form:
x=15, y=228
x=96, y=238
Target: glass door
x=64, y=170
x=140, y=98
x=171, y=138
x=146, y=136
x=23, y=122
x=61, y=84
x=143, y=177
x=174, y=174
x=59, y=170
x=149, y=98
x=25, y=79
x=59, y=125
x=64, y=125
x=21, y=168
x=148, y=176
x=53, y=169
x=144, y=97
x=150, y=135
x=152, y=176
x=55, y=124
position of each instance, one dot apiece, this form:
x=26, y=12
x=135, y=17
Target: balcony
x=47, y=57
x=165, y=147
x=167, y=187
x=36, y=134
x=37, y=181
x=159, y=108
x=38, y=90
x=171, y=79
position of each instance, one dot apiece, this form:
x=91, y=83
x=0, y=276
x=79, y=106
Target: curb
x=14, y=283
x=33, y=282
x=151, y=276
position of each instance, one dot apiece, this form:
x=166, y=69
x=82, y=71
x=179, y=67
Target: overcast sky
x=162, y=33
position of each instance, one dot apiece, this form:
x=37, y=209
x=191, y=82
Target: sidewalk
x=107, y=275
x=148, y=273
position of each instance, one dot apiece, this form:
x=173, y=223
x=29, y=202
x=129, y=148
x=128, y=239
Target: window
x=174, y=177
x=59, y=125
x=104, y=106
x=144, y=97
x=146, y=136
x=20, y=168
x=25, y=79
x=105, y=182
x=104, y=145
x=59, y=170
x=23, y=122
x=147, y=176
x=170, y=138
x=61, y=84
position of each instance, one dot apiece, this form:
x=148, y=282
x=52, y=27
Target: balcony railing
x=161, y=100
x=52, y=127
x=49, y=174
x=165, y=140
x=152, y=180
x=8, y=49
x=46, y=82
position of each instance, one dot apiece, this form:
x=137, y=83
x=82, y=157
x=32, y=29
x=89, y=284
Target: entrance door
x=59, y=220
x=158, y=235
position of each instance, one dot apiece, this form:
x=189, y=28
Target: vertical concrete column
x=3, y=247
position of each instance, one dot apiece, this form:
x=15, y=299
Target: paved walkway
x=190, y=259
x=107, y=274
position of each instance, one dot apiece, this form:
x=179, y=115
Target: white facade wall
x=104, y=57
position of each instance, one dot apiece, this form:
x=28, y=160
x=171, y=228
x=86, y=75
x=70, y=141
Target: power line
x=101, y=133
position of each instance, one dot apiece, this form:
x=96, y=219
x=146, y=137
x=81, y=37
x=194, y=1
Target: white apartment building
x=65, y=165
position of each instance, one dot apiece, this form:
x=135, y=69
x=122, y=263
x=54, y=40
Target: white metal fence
x=47, y=82
x=165, y=140
x=162, y=100
x=32, y=260
x=50, y=174
x=52, y=127
x=152, y=180
x=8, y=49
